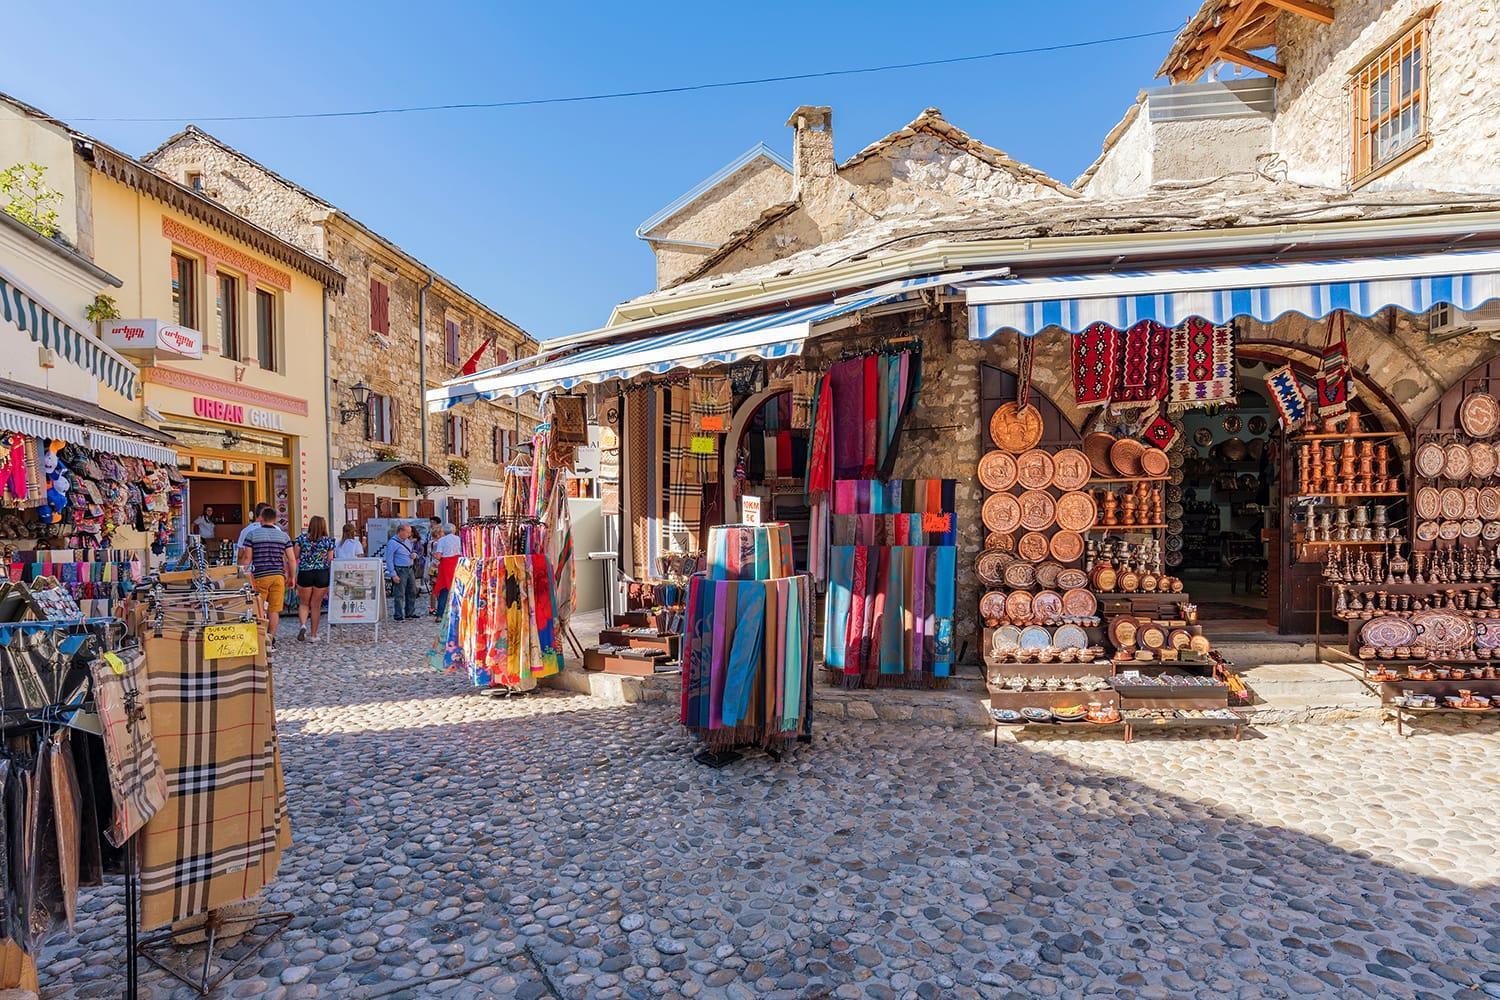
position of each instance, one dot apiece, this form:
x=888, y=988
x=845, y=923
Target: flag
x=472, y=365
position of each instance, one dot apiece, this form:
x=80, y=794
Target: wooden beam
x=1307, y=8
x=1224, y=34
x=1231, y=54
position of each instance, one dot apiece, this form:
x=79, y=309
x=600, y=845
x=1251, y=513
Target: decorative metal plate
x=990, y=567
x=1471, y=501
x=1079, y=603
x=1456, y=461
x=1453, y=502
x=997, y=542
x=992, y=606
x=1439, y=630
x=1387, y=631
x=1067, y=546
x=1429, y=460
x=1491, y=531
x=1070, y=637
x=1014, y=429
x=1429, y=502
x=1001, y=513
x=1033, y=547
x=1006, y=636
x=997, y=471
x=1076, y=511
x=1481, y=460
x=1047, y=605
x=1038, y=510
x=1034, y=469
x=1427, y=531
x=1071, y=469
x=1035, y=637
x=1020, y=575
x=1449, y=530
x=1470, y=527
x=1072, y=579
x=1018, y=608
x=1125, y=456
x=1046, y=574
x=1479, y=414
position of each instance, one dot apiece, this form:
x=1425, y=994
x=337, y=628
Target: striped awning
x=776, y=335
x=1262, y=291
x=19, y=305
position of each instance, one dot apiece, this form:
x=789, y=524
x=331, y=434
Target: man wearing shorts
x=267, y=550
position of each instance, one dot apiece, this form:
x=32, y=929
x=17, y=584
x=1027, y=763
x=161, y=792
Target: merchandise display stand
x=205, y=981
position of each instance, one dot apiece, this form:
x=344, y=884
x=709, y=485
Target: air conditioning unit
x=1447, y=322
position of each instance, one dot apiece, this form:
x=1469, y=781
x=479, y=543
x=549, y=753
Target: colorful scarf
x=749, y=551
x=1202, y=363
x=1143, y=364
x=1096, y=357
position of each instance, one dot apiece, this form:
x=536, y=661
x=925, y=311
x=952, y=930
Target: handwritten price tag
x=704, y=444
x=221, y=642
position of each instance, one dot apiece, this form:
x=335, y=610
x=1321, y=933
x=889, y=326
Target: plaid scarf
x=137, y=784
x=684, y=492
x=711, y=404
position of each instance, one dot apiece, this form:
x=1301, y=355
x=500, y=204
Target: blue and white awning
x=1261, y=291
x=777, y=335
x=20, y=306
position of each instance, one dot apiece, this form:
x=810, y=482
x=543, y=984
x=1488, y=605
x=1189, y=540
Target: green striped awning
x=19, y=306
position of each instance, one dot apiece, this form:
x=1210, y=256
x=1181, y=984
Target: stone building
x=399, y=325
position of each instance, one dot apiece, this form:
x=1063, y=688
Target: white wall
x=62, y=288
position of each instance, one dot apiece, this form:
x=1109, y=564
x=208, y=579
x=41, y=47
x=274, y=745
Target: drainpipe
x=333, y=482
x=422, y=361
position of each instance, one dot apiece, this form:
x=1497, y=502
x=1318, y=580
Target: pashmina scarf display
x=1143, y=364
x=684, y=491
x=1202, y=369
x=772, y=448
x=636, y=451
x=218, y=837
x=892, y=576
x=1096, y=359
x=747, y=657
x=862, y=403
x=750, y=552
x=804, y=391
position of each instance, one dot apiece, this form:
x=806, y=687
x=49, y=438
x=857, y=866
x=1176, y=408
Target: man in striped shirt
x=267, y=551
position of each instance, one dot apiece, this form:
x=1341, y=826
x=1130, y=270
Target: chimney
x=812, y=145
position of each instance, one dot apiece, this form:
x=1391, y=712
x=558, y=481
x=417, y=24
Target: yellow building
x=225, y=321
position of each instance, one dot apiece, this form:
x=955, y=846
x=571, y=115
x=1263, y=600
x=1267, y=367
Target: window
x=265, y=330
x=184, y=291
x=194, y=180
x=380, y=308
x=455, y=436
x=501, y=355
x=229, y=317
x=450, y=342
x=500, y=445
x=1390, y=104
x=380, y=419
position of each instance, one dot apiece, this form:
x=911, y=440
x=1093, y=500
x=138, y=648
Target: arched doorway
x=773, y=455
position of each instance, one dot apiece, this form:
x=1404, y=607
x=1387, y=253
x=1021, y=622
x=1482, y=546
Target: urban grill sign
x=235, y=413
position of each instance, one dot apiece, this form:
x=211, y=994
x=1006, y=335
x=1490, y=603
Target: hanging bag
x=1333, y=373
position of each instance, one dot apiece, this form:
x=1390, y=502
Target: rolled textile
x=750, y=551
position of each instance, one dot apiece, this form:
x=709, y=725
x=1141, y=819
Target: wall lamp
x=361, y=394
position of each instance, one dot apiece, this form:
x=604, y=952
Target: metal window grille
x=1389, y=101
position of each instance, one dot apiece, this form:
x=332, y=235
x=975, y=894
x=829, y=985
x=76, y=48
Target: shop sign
x=236, y=413
x=356, y=591
x=152, y=336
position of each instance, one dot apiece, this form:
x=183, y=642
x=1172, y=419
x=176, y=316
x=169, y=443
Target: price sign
x=750, y=509
x=704, y=444
x=221, y=642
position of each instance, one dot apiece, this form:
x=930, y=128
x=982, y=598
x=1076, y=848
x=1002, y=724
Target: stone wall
x=1463, y=93
x=727, y=207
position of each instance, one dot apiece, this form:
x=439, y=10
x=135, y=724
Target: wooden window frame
x=453, y=334
x=268, y=343
x=231, y=332
x=380, y=419
x=456, y=436
x=1413, y=41
x=188, y=295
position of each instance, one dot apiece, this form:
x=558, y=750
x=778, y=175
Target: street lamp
x=361, y=394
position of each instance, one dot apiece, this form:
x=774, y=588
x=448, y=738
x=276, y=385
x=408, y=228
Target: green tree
x=30, y=199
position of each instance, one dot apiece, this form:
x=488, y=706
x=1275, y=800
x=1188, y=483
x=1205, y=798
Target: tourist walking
x=446, y=551
x=267, y=551
x=314, y=548
x=350, y=547
x=401, y=568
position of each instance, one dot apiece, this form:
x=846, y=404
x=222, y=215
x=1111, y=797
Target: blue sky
x=534, y=209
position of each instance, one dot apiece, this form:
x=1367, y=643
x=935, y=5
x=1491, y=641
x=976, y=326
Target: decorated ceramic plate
x=1076, y=511
x=990, y=567
x=998, y=542
x=1032, y=714
x=1456, y=461
x=1470, y=527
x=1033, y=547
x=1179, y=638
x=1070, y=637
x=1020, y=575
x=1038, y=510
x=1152, y=636
x=1122, y=630
x=1387, y=630
x=1453, y=502
x=1427, y=531
x=1439, y=630
x=1203, y=437
x=1479, y=414
x=1047, y=606
x=1006, y=636
x=1035, y=637
x=1071, y=469
x=1125, y=456
x=1009, y=716
x=1429, y=460
x=1034, y=469
x=1449, y=530
x=1067, y=546
x=1481, y=460
x=1046, y=574
x=1429, y=502
x=1072, y=579
x=1079, y=603
x=997, y=471
x=992, y=606
x=1001, y=513
x=1014, y=429
x=1471, y=501
x=1491, y=531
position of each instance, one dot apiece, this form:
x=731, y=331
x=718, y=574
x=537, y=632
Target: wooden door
x=1297, y=582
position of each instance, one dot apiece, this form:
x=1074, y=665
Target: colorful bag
x=1286, y=393
x=1333, y=373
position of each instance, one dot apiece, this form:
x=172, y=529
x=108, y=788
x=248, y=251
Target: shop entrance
x=769, y=461
x=229, y=471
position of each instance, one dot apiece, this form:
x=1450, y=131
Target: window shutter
x=380, y=315
x=371, y=408
x=426, y=508
x=473, y=507
x=393, y=421
x=501, y=355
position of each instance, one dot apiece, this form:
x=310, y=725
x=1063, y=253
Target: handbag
x=1333, y=372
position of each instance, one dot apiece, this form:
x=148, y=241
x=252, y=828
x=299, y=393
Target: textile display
x=138, y=785
x=1096, y=360
x=96, y=578
x=772, y=448
x=1142, y=374
x=560, y=554
x=684, y=491
x=1160, y=432
x=892, y=581
x=1333, y=370
x=1286, y=393
x=570, y=423
x=749, y=552
x=820, y=443
x=218, y=837
x=636, y=450
x=804, y=392
x=711, y=404
x=1203, y=359
x=863, y=402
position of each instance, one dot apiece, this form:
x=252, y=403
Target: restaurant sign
x=236, y=413
x=151, y=336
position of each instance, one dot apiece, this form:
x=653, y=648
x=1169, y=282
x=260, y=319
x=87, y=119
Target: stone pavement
x=451, y=845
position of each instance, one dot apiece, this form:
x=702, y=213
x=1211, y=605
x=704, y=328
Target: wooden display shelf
x=629, y=666
x=1238, y=723
x=1083, y=726
x=1368, y=541
x=1051, y=699
x=1334, y=496
x=1130, y=479
x=1341, y=437
x=667, y=642
x=1126, y=528
x=1422, y=589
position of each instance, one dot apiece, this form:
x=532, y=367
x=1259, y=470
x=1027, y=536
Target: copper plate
x=1020, y=575
x=1079, y=603
x=1033, y=547
x=1491, y=531
x=992, y=606
x=1123, y=630
x=1047, y=606
x=1154, y=462
x=1016, y=430
x=1046, y=574
x=1453, y=503
x=997, y=471
x=1072, y=579
x=1479, y=414
x=1449, y=530
x=1000, y=542
x=1471, y=501
x=1037, y=510
x=1018, y=606
x=1456, y=461
x=1176, y=477
x=990, y=567
x=1125, y=456
x=1429, y=460
x=1071, y=469
x=1076, y=511
x=1096, y=446
x=1429, y=502
x=1489, y=503
x=1481, y=460
x=1067, y=546
x=1427, y=531
x=1034, y=469
x=1177, y=458
x=1001, y=513
x=1470, y=527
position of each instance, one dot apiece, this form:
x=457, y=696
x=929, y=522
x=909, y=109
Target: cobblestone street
x=448, y=844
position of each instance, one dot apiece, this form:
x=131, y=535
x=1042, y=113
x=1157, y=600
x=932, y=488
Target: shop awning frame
x=27, y=409
x=1413, y=283
x=24, y=308
x=422, y=476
